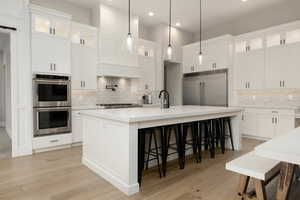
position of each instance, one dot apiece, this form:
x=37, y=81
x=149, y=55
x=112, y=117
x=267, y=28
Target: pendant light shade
x=129, y=40
x=169, y=49
x=200, y=56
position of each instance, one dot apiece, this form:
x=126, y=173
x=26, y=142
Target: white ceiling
x=187, y=11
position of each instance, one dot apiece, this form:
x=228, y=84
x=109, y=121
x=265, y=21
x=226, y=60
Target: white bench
x=261, y=170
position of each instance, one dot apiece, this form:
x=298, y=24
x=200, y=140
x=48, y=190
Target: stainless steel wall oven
x=52, y=105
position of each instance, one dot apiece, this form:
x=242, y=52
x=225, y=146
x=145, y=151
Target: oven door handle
x=37, y=121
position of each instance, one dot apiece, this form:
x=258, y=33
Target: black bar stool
x=193, y=143
x=151, y=153
x=166, y=145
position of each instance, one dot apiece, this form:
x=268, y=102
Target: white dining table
x=286, y=149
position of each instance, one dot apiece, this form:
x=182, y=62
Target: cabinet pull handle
x=280, y=83
x=50, y=30
x=283, y=83
x=276, y=120
x=272, y=120
x=248, y=84
x=54, y=141
x=54, y=31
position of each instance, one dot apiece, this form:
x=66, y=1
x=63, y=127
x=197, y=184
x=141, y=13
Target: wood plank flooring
x=59, y=175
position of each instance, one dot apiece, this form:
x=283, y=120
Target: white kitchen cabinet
x=50, y=55
x=249, y=63
x=51, y=142
x=189, y=57
x=84, y=57
x=84, y=35
x=84, y=68
x=250, y=70
x=284, y=124
x=266, y=124
x=216, y=55
x=282, y=66
x=249, y=123
x=77, y=127
x=50, y=41
x=50, y=23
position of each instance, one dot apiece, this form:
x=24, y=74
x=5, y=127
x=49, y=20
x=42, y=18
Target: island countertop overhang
x=135, y=115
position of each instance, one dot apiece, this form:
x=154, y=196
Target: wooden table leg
x=260, y=189
x=242, y=188
x=285, y=181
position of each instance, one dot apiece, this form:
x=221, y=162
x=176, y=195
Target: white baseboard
x=101, y=171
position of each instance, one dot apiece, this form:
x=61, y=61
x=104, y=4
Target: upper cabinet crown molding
x=42, y=10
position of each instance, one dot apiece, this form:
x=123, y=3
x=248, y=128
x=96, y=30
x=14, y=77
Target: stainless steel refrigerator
x=206, y=89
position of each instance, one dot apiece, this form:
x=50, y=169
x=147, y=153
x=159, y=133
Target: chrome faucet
x=165, y=101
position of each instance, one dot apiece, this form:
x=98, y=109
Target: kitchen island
x=110, y=137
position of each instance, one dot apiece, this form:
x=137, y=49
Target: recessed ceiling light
x=151, y=14
x=244, y=0
x=178, y=24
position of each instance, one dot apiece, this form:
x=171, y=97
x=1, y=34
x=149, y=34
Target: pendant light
x=129, y=40
x=200, y=56
x=169, y=49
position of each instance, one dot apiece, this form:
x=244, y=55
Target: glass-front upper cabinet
x=243, y=46
x=84, y=35
x=61, y=28
x=41, y=24
x=282, y=38
x=50, y=23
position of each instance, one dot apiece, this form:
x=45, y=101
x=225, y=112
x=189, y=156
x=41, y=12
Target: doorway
x=5, y=97
x=173, y=82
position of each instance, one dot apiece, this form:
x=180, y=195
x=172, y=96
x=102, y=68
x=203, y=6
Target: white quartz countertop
x=284, y=148
x=153, y=113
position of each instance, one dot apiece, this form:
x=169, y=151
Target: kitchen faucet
x=165, y=101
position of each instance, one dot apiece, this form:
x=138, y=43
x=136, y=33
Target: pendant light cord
x=129, y=16
x=200, y=26
x=170, y=21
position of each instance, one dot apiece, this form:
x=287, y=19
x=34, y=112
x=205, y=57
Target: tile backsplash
x=288, y=98
x=125, y=92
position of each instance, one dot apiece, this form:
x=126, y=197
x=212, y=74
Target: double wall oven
x=51, y=105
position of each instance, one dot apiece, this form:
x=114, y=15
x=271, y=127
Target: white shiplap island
x=110, y=137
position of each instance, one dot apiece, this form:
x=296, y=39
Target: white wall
x=2, y=91
x=79, y=14
x=261, y=19
x=15, y=13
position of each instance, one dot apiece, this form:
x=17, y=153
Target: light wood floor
x=5, y=145
x=59, y=175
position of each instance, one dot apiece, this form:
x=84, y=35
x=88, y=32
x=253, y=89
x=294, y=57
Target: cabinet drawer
x=51, y=141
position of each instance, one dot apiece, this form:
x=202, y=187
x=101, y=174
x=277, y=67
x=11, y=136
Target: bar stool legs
x=152, y=134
